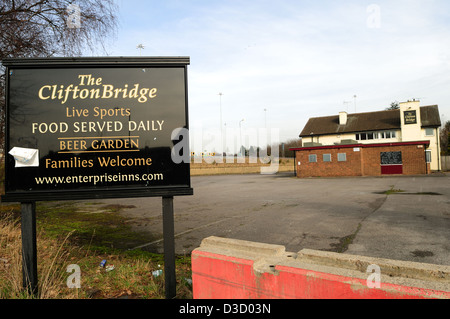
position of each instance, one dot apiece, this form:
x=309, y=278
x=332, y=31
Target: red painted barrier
x=233, y=269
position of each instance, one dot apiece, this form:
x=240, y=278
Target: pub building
x=401, y=141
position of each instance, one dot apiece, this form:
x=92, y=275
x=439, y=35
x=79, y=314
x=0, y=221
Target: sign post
x=29, y=250
x=88, y=128
x=169, y=247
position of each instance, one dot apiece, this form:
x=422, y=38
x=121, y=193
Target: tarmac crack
x=346, y=241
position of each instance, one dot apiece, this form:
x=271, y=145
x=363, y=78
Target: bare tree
x=46, y=28
x=285, y=146
x=445, y=138
x=54, y=27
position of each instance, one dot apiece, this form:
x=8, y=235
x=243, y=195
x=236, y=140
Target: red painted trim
x=360, y=145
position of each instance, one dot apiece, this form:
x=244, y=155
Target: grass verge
x=67, y=236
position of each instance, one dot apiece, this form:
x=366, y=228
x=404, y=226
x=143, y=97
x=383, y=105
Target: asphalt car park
x=396, y=217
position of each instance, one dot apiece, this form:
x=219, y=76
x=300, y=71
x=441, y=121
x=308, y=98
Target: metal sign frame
x=108, y=63
x=28, y=198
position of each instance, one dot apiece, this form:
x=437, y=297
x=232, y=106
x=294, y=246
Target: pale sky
x=295, y=58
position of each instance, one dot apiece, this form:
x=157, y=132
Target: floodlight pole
x=240, y=136
x=221, y=126
x=140, y=47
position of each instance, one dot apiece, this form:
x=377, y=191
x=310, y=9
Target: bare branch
x=38, y=28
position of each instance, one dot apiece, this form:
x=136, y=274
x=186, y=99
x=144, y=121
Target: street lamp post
x=265, y=118
x=221, y=126
x=140, y=47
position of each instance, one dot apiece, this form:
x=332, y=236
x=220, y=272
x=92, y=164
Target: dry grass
x=131, y=277
x=10, y=259
x=53, y=255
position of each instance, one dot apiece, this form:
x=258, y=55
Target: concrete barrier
x=236, y=269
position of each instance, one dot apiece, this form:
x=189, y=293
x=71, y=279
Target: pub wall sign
x=410, y=117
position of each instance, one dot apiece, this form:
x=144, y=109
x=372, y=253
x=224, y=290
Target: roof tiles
x=369, y=121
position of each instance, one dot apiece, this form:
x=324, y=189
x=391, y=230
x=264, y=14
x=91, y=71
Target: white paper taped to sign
x=25, y=157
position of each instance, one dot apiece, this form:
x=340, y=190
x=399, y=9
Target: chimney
x=342, y=118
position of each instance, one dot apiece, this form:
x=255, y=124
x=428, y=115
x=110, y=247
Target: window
x=429, y=132
x=312, y=158
x=428, y=156
x=342, y=157
x=391, y=158
x=327, y=157
x=364, y=136
x=375, y=135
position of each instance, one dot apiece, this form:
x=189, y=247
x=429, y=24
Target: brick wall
x=350, y=167
x=361, y=160
x=413, y=158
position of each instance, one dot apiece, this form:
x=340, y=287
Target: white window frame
x=375, y=135
x=340, y=157
x=431, y=129
x=310, y=156
x=428, y=156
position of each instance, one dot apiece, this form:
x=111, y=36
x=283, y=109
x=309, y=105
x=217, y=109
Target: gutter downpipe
x=438, y=150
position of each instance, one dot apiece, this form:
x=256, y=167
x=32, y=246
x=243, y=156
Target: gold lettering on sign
x=410, y=117
x=99, y=144
x=96, y=90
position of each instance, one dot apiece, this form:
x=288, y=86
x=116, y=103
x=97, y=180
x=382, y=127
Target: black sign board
x=80, y=128
x=410, y=117
x=391, y=158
